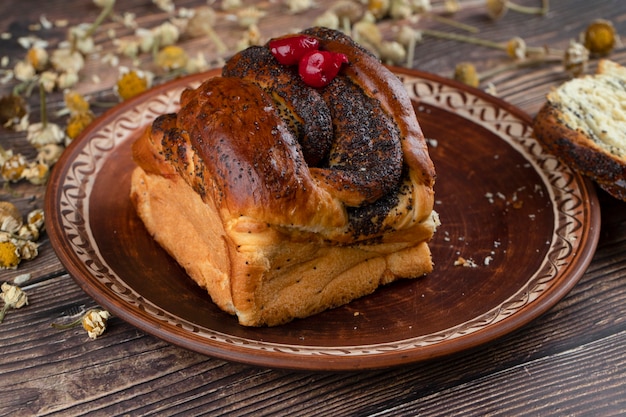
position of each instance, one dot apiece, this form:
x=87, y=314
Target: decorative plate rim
x=572, y=245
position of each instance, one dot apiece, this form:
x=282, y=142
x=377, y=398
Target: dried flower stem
x=3, y=312
x=453, y=23
x=106, y=11
x=68, y=325
x=481, y=42
x=543, y=10
x=517, y=65
x=42, y=103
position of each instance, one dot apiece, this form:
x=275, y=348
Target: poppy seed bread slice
x=583, y=123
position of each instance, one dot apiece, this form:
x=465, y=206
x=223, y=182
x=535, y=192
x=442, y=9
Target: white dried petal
x=24, y=71
x=166, y=34
x=67, y=60
x=48, y=80
x=13, y=296
x=66, y=80
x=50, y=153
x=39, y=134
x=28, y=250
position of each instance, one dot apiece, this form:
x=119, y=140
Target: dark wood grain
x=569, y=361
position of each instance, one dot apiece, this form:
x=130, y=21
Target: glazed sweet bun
x=284, y=199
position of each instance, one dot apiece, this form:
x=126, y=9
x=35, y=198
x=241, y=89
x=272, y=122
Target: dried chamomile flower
x=24, y=71
x=165, y=5
x=327, y=19
x=80, y=38
x=36, y=173
x=13, y=297
x=228, y=5
x=393, y=53
x=67, y=79
x=94, y=321
x=299, y=6
x=44, y=133
x=166, y=34
x=250, y=37
x=451, y=6
x=466, y=73
x=77, y=123
x=48, y=80
x=498, y=8
x=171, y=57
x=49, y=154
x=9, y=255
x=367, y=33
x=576, y=59
x=10, y=217
x=249, y=16
x=201, y=24
x=75, y=102
x=67, y=60
x=379, y=8
x=12, y=109
x=516, y=48
x=37, y=57
x=13, y=167
x=197, y=64
x=32, y=228
x=600, y=37
x=132, y=83
x=400, y=9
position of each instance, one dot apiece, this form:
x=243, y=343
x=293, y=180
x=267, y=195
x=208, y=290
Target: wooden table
x=569, y=361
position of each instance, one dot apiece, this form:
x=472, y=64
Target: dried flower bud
x=13, y=297
x=465, y=72
x=516, y=48
x=38, y=57
x=496, y=8
x=378, y=8
x=576, y=59
x=36, y=219
x=201, y=23
x=393, y=53
x=600, y=37
x=12, y=109
x=95, y=322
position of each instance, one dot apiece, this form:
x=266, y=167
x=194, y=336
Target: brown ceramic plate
x=529, y=224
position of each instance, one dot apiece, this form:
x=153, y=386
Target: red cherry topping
x=289, y=50
x=318, y=68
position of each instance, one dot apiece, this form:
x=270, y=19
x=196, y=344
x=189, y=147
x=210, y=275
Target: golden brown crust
x=269, y=240
x=575, y=125
x=576, y=150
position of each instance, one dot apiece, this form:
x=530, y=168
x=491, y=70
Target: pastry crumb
x=468, y=263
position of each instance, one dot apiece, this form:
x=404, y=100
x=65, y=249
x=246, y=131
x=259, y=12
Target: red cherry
x=318, y=68
x=289, y=50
